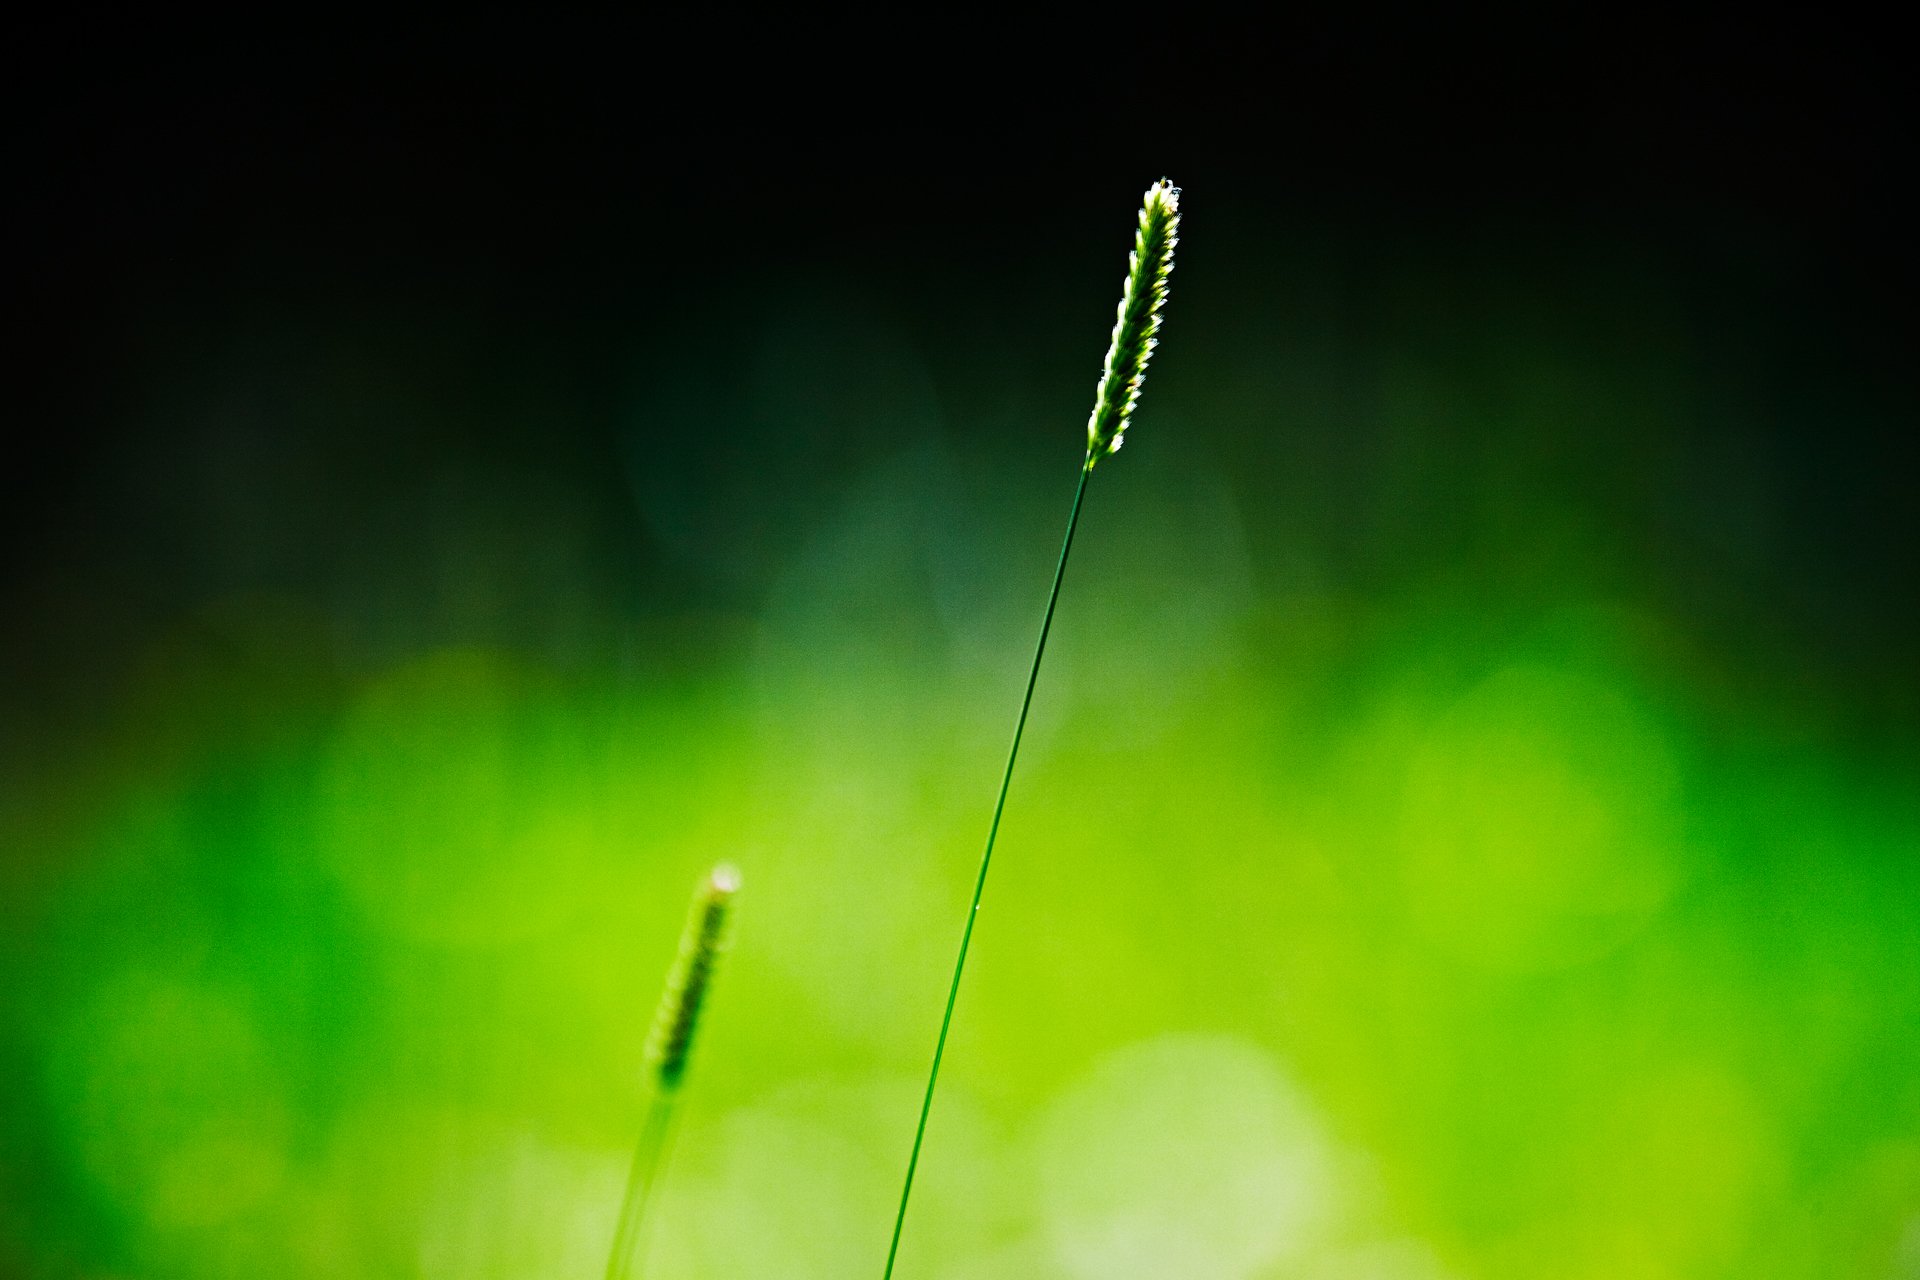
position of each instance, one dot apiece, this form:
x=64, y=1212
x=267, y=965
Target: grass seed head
x=1137, y=326
x=701, y=943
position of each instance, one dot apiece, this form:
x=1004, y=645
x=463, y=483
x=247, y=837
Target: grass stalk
x=669, y=1045
x=648, y=1155
x=1135, y=335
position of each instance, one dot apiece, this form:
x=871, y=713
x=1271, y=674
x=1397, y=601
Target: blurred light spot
x=458, y=805
x=1182, y=1158
x=1161, y=596
x=767, y=1192
x=1383, y=1260
x=522, y=1208
x=1027, y=1259
x=172, y=1101
x=1539, y=823
x=1674, y=1171
x=1906, y=1266
x=831, y=383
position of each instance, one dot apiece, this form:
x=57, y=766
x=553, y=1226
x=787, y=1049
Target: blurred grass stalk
x=668, y=1045
x=1136, y=329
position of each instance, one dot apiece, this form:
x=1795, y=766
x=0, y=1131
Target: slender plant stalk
x=648, y=1156
x=1135, y=331
x=668, y=1046
x=980, y=881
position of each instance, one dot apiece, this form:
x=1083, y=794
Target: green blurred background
x=1468, y=824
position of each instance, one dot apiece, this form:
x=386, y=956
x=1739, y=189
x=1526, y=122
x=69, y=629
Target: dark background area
x=504, y=211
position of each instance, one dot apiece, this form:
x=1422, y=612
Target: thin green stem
x=986, y=858
x=647, y=1159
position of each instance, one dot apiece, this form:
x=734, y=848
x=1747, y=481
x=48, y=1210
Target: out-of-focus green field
x=1441, y=849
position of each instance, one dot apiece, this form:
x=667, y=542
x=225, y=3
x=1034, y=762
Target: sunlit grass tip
x=1137, y=325
x=701, y=943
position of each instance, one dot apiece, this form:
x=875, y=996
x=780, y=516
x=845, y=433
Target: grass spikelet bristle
x=701, y=943
x=1137, y=325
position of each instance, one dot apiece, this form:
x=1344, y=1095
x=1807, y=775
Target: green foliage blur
x=1466, y=830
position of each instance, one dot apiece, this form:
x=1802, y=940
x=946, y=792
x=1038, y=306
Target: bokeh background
x=464, y=488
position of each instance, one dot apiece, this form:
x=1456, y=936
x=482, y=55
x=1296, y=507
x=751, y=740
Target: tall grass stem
x=1136, y=329
x=986, y=859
